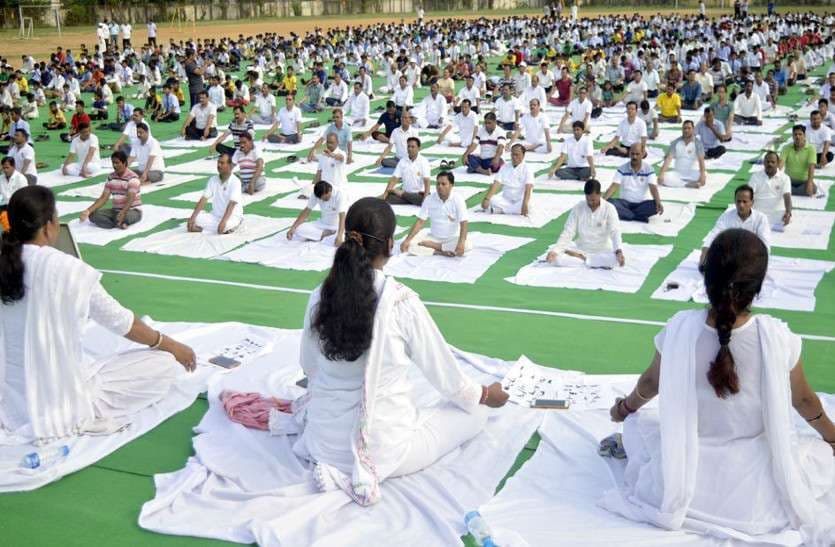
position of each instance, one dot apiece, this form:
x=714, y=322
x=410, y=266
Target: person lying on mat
x=84, y=159
x=122, y=188
x=726, y=456
x=688, y=156
x=576, y=161
x=363, y=334
x=536, y=128
x=225, y=192
x=447, y=215
x=743, y=216
x=333, y=203
x=591, y=235
x=772, y=192
x=413, y=173
x=50, y=389
x=516, y=181
x=635, y=179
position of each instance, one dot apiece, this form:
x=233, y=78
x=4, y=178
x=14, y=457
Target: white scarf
x=57, y=396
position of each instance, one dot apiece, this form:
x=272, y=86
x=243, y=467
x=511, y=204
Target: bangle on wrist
x=158, y=342
x=638, y=394
x=626, y=407
x=815, y=419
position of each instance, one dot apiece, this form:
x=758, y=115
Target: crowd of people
x=489, y=84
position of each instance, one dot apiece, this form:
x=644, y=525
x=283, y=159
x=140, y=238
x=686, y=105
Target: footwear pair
x=447, y=165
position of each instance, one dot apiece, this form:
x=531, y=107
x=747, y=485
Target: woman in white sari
x=48, y=388
x=722, y=456
x=363, y=334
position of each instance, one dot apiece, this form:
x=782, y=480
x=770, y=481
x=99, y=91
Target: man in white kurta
x=536, y=128
x=84, y=159
x=447, y=215
x=465, y=123
x=332, y=201
x=687, y=154
x=435, y=109
x=224, y=190
x=772, y=192
x=743, y=216
x=591, y=235
x=358, y=107
x=516, y=180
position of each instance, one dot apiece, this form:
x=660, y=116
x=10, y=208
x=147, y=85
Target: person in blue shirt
x=691, y=92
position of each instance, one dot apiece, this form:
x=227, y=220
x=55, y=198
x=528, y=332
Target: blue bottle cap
x=470, y=516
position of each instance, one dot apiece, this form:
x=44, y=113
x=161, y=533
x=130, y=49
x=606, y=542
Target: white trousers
x=74, y=169
x=593, y=260
x=502, y=205
x=313, y=231
x=678, y=179
x=447, y=245
x=209, y=222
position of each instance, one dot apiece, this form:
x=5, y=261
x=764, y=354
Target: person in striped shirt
x=122, y=189
x=250, y=165
x=237, y=127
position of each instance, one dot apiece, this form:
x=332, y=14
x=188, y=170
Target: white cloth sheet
x=544, y=208
x=307, y=141
x=52, y=179
x=714, y=182
x=206, y=166
x=175, y=153
x=273, y=187
x=70, y=207
x=246, y=486
x=654, y=156
x=177, y=241
x=789, y=285
x=731, y=160
x=818, y=201
x=676, y=217
x=360, y=161
x=152, y=216
x=180, y=142
x=487, y=250
x=807, y=230
x=168, y=181
x=369, y=146
x=639, y=261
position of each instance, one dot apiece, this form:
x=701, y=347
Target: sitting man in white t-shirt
x=201, y=123
x=516, y=181
x=742, y=216
x=358, y=107
x=447, y=214
x=576, y=161
x=413, y=173
x=147, y=153
x=536, y=128
x=688, y=155
x=84, y=159
x=331, y=168
x=635, y=179
x=578, y=110
x=773, y=192
x=466, y=124
x=333, y=203
x=224, y=191
x=263, y=111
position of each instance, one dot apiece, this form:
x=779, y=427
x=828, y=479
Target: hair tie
x=724, y=337
x=356, y=237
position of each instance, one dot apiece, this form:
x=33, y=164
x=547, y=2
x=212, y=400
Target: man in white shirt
x=332, y=164
x=448, y=220
x=23, y=154
x=743, y=216
x=772, y=192
x=84, y=159
x=404, y=95
x=148, y=156
x=333, y=203
x=747, y=106
x=359, y=107
x=761, y=88
x=201, y=123
x=468, y=93
x=289, y=120
x=631, y=130
x=217, y=96
x=635, y=179
x=398, y=140
x=689, y=155
x=224, y=192
x=819, y=136
x=128, y=139
x=533, y=91
x=490, y=139
x=576, y=161
x=578, y=110
x=337, y=92
x=465, y=122
x=536, y=128
x=413, y=172
x=507, y=110
x=636, y=90
x=263, y=111
x=11, y=180
x=516, y=180
x=435, y=108
x=591, y=235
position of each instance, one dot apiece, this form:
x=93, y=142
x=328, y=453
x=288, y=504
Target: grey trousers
x=260, y=183
x=799, y=188
x=32, y=179
x=390, y=162
x=407, y=198
x=107, y=218
x=155, y=176
x=574, y=173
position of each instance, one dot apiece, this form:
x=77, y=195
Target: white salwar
x=48, y=388
x=733, y=468
x=359, y=422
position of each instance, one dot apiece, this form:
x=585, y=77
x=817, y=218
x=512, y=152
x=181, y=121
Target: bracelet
x=626, y=406
x=484, y=393
x=626, y=409
x=159, y=341
x=815, y=419
x=641, y=397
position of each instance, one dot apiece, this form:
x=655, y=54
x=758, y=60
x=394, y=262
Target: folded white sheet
x=714, y=182
x=168, y=181
x=676, y=217
x=54, y=178
x=177, y=241
x=789, y=285
x=369, y=146
x=654, y=155
x=487, y=250
x=639, y=261
x=207, y=166
x=544, y=207
x=152, y=216
x=246, y=486
x=730, y=161
x=274, y=187
x=807, y=230
x=70, y=207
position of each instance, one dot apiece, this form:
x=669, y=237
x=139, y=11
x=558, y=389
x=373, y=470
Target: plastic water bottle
x=477, y=527
x=45, y=458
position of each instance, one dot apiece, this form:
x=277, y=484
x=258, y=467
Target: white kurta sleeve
x=429, y=351
x=568, y=232
x=614, y=229
x=107, y=312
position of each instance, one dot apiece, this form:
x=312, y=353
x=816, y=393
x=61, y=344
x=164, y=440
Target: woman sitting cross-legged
x=48, y=388
x=725, y=455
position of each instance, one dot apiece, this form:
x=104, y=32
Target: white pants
x=540, y=148
x=502, y=205
x=261, y=120
x=593, y=260
x=313, y=231
x=678, y=179
x=356, y=122
x=424, y=123
x=74, y=169
x=446, y=427
x=209, y=222
x=447, y=245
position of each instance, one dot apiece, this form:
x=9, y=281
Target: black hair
x=414, y=139
x=321, y=188
x=344, y=317
x=490, y=116
x=7, y=159
x=744, y=188
x=578, y=125
x=119, y=155
x=799, y=127
x=30, y=208
x=142, y=125
x=592, y=186
x=734, y=271
x=448, y=175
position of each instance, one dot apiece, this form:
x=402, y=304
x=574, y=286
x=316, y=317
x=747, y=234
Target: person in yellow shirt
x=669, y=105
x=291, y=83
x=55, y=118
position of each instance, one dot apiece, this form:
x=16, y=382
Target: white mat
x=369, y=147
x=180, y=142
x=274, y=187
x=175, y=153
x=714, y=182
x=789, y=285
x=70, y=207
x=94, y=192
x=152, y=216
x=206, y=166
x=828, y=171
x=730, y=161
x=543, y=209
x=307, y=141
x=487, y=250
x=246, y=486
x=446, y=150
x=639, y=261
x=54, y=178
x=552, y=499
x=177, y=241
x=655, y=155
x=86, y=450
x=807, y=230
x=818, y=201
x=676, y=217
x=277, y=252
x=360, y=161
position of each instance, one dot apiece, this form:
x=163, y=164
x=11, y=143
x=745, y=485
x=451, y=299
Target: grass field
x=100, y=505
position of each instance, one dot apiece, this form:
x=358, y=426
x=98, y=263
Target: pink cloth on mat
x=251, y=409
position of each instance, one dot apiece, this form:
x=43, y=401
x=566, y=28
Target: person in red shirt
x=563, y=95
x=79, y=117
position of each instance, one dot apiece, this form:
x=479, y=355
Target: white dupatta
x=58, y=301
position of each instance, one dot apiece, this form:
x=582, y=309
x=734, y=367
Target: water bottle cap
x=487, y=542
x=470, y=516
x=65, y=450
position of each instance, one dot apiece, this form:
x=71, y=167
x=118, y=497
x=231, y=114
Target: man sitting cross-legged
x=490, y=138
x=224, y=191
x=413, y=172
x=635, y=178
x=689, y=166
x=576, y=162
x=447, y=214
x=333, y=204
x=123, y=188
x=516, y=181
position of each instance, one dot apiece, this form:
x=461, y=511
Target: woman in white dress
x=724, y=455
x=364, y=334
x=48, y=388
